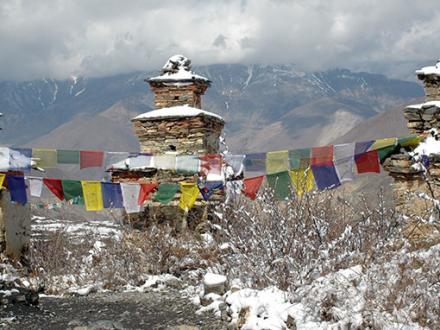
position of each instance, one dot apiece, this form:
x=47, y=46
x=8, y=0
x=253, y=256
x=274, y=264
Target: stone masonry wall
x=175, y=94
x=431, y=86
x=188, y=136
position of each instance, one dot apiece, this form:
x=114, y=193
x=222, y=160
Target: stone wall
x=431, y=85
x=175, y=94
x=15, y=226
x=193, y=135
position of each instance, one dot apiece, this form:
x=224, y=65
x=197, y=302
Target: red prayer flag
x=211, y=163
x=90, y=158
x=145, y=191
x=322, y=156
x=251, y=186
x=55, y=186
x=367, y=162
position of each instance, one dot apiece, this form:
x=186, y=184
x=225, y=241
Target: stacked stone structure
x=411, y=181
x=178, y=127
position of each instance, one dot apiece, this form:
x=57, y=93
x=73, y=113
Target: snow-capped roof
x=430, y=70
x=177, y=111
x=425, y=105
x=177, y=69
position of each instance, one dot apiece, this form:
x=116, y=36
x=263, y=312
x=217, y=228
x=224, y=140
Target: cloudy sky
x=101, y=37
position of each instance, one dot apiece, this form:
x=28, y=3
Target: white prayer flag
x=236, y=162
x=35, y=186
x=130, y=196
x=343, y=157
x=140, y=162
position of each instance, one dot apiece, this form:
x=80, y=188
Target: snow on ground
x=41, y=226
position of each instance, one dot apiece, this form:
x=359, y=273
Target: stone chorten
x=178, y=126
x=410, y=180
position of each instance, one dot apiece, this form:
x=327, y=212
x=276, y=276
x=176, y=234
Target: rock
x=290, y=323
x=214, y=283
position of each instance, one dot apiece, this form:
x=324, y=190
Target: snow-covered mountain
x=265, y=106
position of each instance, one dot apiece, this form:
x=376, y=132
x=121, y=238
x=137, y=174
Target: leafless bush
x=61, y=261
x=287, y=244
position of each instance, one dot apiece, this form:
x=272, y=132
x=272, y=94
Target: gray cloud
x=102, y=37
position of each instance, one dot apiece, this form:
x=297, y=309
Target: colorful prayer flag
x=130, y=197
x=165, y=162
x=145, y=192
x=322, y=156
x=236, y=163
x=55, y=186
x=299, y=158
x=208, y=187
x=252, y=185
x=189, y=192
x=17, y=189
x=4, y=159
x=366, y=161
x=45, y=158
x=211, y=164
x=302, y=180
x=2, y=179
x=409, y=141
x=141, y=161
x=344, y=161
x=325, y=176
x=277, y=161
x=166, y=192
x=35, y=186
x=72, y=190
x=255, y=162
x=92, y=193
x=187, y=164
x=67, y=156
x=112, y=195
x=20, y=159
x=280, y=184
x=91, y=158
x=385, y=147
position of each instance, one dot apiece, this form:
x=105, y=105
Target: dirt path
x=150, y=310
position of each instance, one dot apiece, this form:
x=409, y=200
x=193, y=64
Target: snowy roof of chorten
x=425, y=105
x=177, y=111
x=430, y=70
x=177, y=69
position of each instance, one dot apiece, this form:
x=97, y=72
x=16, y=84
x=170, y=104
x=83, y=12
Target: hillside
x=265, y=106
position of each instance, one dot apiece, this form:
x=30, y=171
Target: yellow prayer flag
x=2, y=179
x=277, y=161
x=46, y=158
x=92, y=195
x=189, y=193
x=302, y=180
x=383, y=143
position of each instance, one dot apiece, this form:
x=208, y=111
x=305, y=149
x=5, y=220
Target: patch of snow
x=430, y=146
x=211, y=279
x=177, y=69
x=177, y=111
x=430, y=70
x=425, y=105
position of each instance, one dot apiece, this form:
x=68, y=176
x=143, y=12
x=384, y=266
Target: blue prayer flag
x=325, y=176
x=17, y=188
x=112, y=195
x=208, y=188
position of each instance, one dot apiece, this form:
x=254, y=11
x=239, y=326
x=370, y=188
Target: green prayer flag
x=72, y=190
x=166, y=192
x=68, y=156
x=384, y=153
x=299, y=158
x=280, y=184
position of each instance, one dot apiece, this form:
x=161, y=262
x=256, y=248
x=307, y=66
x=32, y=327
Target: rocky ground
x=165, y=309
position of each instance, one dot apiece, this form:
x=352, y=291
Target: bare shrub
x=288, y=243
